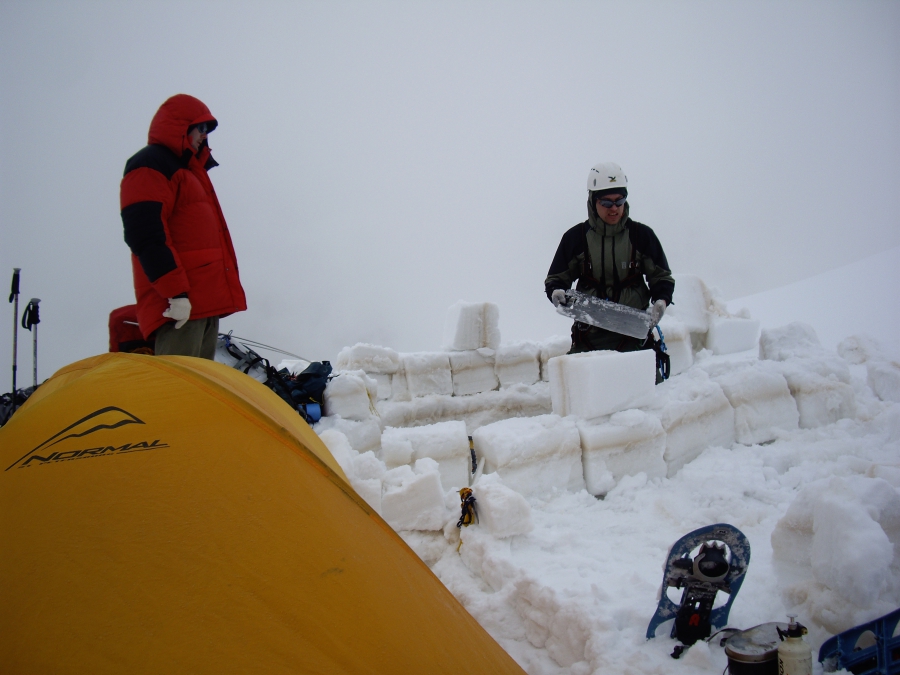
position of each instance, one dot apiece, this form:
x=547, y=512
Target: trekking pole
x=31, y=317
x=14, y=296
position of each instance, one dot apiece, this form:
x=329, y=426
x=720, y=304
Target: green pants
x=195, y=338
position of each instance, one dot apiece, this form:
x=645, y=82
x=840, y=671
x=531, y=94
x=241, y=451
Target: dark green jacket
x=625, y=262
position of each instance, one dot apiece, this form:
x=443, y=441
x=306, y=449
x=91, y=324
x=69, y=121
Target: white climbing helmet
x=606, y=175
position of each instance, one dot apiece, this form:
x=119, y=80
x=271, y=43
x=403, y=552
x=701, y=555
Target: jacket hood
x=170, y=124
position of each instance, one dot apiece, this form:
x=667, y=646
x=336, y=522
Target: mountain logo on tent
x=110, y=417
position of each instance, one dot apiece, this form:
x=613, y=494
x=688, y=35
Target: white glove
x=558, y=297
x=180, y=310
x=657, y=309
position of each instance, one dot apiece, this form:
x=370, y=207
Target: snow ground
x=820, y=507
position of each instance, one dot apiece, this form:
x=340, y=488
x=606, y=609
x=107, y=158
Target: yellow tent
x=171, y=515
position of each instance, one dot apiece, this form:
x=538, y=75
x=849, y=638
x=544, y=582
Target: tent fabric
x=170, y=514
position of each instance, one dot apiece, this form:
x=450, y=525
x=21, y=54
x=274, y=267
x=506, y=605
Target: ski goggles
x=608, y=203
x=203, y=127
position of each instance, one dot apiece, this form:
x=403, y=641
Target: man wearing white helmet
x=613, y=257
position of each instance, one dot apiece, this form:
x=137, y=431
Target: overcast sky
x=380, y=161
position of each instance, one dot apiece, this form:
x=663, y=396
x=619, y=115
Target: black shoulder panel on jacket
x=571, y=244
x=644, y=240
x=146, y=237
x=156, y=157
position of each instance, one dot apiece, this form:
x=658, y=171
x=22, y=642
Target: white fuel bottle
x=794, y=655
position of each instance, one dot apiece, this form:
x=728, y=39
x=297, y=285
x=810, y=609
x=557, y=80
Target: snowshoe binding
x=711, y=570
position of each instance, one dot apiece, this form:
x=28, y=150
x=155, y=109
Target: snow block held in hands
x=446, y=442
x=473, y=371
x=472, y=325
x=533, y=455
x=427, y=373
x=518, y=363
x=413, y=498
x=600, y=383
x=628, y=443
x=728, y=335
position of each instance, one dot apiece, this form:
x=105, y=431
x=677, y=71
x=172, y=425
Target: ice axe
x=31, y=317
x=14, y=297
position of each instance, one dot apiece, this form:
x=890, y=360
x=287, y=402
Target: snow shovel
x=605, y=314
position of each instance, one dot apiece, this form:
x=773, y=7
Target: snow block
x=690, y=303
x=695, y=415
x=472, y=325
x=518, y=363
x=533, y=455
x=427, y=373
x=446, y=442
x=370, y=358
x=504, y=512
x=413, y=498
x=822, y=395
x=796, y=339
x=628, y=443
x=363, y=471
x=399, y=386
x=473, y=371
x=678, y=345
x=884, y=379
x=363, y=436
x=836, y=551
x=594, y=384
x=350, y=394
x=555, y=346
x=762, y=402
x=728, y=335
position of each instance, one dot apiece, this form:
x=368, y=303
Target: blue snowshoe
x=701, y=577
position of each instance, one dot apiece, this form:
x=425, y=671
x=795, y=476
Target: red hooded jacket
x=173, y=222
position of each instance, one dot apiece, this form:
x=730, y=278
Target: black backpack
x=303, y=392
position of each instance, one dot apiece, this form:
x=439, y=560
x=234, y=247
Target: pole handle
x=14, y=291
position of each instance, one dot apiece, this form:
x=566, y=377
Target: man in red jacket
x=185, y=270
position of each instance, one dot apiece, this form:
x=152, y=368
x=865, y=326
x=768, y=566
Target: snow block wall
x=379, y=363
x=557, y=346
x=447, y=443
x=518, y=363
x=762, y=403
x=427, y=373
x=594, y=384
x=818, y=381
x=625, y=444
x=695, y=415
x=472, y=371
x=533, y=455
x=350, y=395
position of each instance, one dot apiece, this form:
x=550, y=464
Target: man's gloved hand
x=657, y=309
x=180, y=310
x=558, y=297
